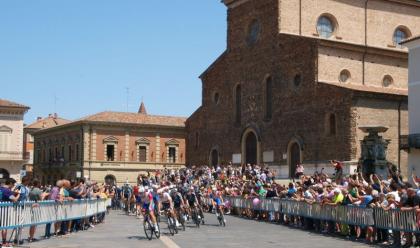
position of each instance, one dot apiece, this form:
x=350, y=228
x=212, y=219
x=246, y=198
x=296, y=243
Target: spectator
x=8, y=194
x=35, y=195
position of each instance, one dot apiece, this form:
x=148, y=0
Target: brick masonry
x=300, y=112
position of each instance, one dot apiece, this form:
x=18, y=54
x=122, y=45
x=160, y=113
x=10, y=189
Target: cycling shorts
x=148, y=206
x=218, y=201
x=166, y=206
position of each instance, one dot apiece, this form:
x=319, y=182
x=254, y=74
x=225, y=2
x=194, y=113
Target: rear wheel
x=195, y=218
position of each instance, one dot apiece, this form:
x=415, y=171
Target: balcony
x=414, y=140
x=14, y=156
x=404, y=142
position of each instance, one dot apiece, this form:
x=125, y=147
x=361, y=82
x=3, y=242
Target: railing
x=14, y=215
x=397, y=220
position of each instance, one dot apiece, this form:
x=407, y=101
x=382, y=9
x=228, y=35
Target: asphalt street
x=120, y=230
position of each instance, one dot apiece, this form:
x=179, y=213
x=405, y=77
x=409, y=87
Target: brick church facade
x=299, y=78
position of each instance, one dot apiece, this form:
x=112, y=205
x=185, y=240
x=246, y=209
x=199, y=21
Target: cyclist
x=200, y=202
x=192, y=201
x=126, y=195
x=148, y=205
x=178, y=203
x=167, y=204
x=217, y=201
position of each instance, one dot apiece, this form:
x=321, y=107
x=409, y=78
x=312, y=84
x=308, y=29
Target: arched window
x=268, y=98
x=332, y=125
x=197, y=139
x=297, y=80
x=214, y=157
x=325, y=26
x=254, y=31
x=216, y=98
x=400, y=34
x=238, y=102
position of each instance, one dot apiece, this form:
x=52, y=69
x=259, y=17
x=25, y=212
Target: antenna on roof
x=55, y=103
x=128, y=94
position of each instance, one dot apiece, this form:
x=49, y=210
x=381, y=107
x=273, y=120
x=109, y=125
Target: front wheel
x=196, y=219
x=157, y=234
x=171, y=226
x=148, y=229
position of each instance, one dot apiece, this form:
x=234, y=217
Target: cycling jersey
x=177, y=200
x=216, y=198
x=191, y=198
x=147, y=199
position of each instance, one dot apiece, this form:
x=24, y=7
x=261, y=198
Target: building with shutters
x=110, y=146
x=28, y=139
x=12, y=155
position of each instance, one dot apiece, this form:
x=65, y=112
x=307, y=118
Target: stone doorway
x=294, y=158
x=214, y=158
x=251, y=150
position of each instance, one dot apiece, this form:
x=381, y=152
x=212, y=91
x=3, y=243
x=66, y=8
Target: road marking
x=168, y=242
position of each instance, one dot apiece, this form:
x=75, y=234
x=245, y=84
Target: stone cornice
x=105, y=125
x=415, y=3
x=361, y=48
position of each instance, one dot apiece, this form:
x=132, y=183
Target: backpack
x=24, y=193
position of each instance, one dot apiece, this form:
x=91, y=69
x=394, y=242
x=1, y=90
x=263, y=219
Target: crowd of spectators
x=30, y=191
x=248, y=182
x=364, y=191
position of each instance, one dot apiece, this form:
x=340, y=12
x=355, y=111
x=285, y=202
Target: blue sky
x=85, y=53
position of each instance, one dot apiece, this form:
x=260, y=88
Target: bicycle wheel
x=174, y=225
x=157, y=234
x=223, y=219
x=171, y=226
x=148, y=229
x=195, y=218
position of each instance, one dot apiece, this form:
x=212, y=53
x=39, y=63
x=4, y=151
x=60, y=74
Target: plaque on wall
x=236, y=158
x=268, y=156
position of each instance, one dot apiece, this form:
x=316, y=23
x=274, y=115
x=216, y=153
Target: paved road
x=123, y=231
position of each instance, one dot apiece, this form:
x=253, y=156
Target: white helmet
x=141, y=189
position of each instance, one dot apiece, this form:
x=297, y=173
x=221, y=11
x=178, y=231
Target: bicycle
x=195, y=217
x=220, y=215
x=171, y=223
x=149, y=228
x=181, y=217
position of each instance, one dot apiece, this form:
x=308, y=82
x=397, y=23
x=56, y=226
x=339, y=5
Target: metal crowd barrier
x=406, y=221
x=14, y=215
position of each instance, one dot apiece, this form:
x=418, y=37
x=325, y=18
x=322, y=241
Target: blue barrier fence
x=14, y=215
x=397, y=220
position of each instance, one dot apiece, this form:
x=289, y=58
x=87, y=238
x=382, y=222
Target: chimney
x=55, y=115
x=38, y=118
x=49, y=115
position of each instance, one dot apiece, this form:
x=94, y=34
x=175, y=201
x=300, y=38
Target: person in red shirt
x=338, y=166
